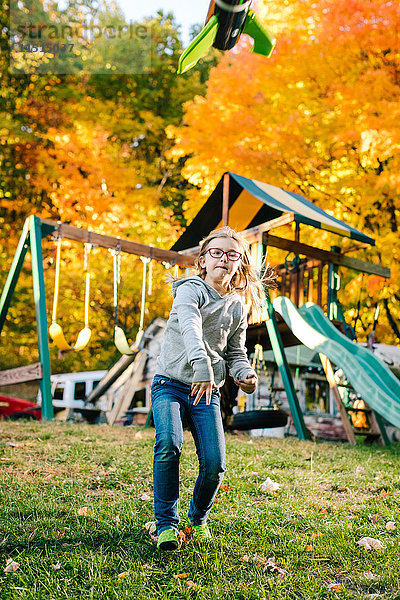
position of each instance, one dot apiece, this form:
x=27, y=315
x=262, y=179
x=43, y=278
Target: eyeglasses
x=230, y=254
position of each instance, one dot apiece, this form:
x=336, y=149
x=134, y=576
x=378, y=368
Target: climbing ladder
x=372, y=428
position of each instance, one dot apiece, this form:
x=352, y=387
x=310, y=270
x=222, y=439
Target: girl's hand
x=247, y=385
x=199, y=388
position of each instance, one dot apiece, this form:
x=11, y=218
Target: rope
x=57, y=281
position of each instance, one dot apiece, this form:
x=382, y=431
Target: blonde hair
x=247, y=282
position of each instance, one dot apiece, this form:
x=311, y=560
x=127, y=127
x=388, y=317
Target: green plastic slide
x=368, y=375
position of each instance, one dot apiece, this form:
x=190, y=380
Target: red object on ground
x=14, y=408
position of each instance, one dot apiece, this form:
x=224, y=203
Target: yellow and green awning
x=253, y=202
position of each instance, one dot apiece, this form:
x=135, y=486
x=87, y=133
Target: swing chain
x=57, y=233
x=88, y=248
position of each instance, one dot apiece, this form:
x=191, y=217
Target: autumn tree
x=320, y=118
x=91, y=149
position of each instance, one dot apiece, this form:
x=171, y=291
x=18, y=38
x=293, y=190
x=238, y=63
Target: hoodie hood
x=197, y=281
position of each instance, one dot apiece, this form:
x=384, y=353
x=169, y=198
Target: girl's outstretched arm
x=236, y=354
x=247, y=385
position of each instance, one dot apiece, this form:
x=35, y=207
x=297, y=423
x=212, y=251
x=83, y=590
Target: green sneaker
x=168, y=540
x=201, y=532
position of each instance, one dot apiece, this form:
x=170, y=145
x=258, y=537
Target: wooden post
x=320, y=274
x=310, y=285
x=225, y=200
x=21, y=374
x=297, y=275
x=327, y=366
x=300, y=286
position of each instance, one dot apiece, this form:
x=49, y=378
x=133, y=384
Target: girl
x=206, y=329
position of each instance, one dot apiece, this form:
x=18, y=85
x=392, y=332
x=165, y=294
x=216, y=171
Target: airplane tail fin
x=199, y=46
x=264, y=42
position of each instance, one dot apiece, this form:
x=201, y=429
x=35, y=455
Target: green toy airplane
x=226, y=21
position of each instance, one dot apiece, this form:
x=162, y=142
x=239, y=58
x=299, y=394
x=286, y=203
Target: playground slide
x=369, y=376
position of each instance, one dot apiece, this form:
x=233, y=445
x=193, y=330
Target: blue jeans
x=171, y=400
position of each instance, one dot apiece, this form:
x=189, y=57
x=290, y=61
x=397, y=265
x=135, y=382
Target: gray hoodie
x=204, y=332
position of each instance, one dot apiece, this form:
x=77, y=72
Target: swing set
x=34, y=230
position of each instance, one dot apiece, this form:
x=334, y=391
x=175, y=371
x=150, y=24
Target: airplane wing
x=264, y=42
x=199, y=47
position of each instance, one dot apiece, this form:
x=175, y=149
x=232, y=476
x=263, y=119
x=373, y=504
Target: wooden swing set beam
x=326, y=256
x=35, y=229
x=78, y=234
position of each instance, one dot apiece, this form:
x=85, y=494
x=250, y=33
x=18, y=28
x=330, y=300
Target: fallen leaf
x=245, y=558
x=334, y=587
x=316, y=535
x=370, y=543
x=384, y=494
x=56, y=566
x=308, y=548
x=11, y=566
x=181, y=575
x=85, y=512
x=65, y=545
x=369, y=575
x=390, y=526
x=123, y=575
x=373, y=518
x=269, y=563
x=191, y=583
x=269, y=486
x=323, y=511
x=117, y=520
x=186, y=535
x=350, y=525
x=225, y=488
x=145, y=497
x=151, y=526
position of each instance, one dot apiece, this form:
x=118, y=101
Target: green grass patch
x=330, y=496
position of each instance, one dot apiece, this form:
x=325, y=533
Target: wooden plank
x=225, y=200
x=293, y=287
x=301, y=284
x=255, y=233
x=21, y=374
x=70, y=232
x=310, y=284
x=122, y=403
x=320, y=274
x=326, y=256
x=327, y=366
x=283, y=275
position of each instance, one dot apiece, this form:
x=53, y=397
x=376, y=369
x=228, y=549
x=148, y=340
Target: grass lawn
x=75, y=498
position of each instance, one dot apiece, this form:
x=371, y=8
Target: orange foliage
x=320, y=117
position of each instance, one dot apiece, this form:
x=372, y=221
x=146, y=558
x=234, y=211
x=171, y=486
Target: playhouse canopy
x=251, y=203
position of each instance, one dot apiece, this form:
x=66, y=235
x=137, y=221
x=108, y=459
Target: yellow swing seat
x=120, y=339
x=55, y=330
x=122, y=343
